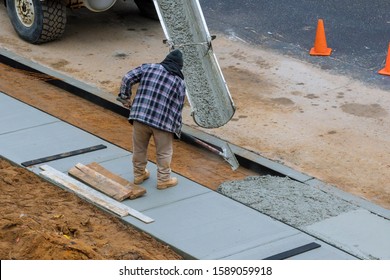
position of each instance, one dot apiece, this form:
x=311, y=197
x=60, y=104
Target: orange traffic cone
x=320, y=46
x=386, y=70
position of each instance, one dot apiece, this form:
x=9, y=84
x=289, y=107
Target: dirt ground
x=324, y=125
x=39, y=221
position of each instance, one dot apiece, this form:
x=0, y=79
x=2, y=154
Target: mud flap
x=185, y=29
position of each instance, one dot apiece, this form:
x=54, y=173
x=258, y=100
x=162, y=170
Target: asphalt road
x=358, y=31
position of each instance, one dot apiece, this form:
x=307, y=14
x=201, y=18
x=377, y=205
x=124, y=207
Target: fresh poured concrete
x=329, y=217
x=285, y=199
x=185, y=29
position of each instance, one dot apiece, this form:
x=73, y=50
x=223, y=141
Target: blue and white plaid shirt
x=159, y=99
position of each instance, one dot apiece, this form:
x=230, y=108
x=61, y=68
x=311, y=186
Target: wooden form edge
x=90, y=194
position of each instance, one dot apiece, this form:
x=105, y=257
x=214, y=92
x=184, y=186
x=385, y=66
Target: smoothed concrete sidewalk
x=199, y=222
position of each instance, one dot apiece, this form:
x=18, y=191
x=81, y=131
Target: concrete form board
x=256, y=158
x=372, y=240
x=272, y=165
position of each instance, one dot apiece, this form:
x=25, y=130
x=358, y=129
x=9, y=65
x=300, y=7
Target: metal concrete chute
x=185, y=29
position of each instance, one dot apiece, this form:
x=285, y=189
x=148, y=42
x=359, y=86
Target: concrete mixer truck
x=40, y=21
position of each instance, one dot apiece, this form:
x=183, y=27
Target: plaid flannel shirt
x=159, y=99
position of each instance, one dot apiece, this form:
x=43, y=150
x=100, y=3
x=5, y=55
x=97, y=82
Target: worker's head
x=173, y=63
x=176, y=56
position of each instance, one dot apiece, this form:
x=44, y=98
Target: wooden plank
x=83, y=193
x=135, y=190
x=91, y=195
x=92, y=182
x=100, y=182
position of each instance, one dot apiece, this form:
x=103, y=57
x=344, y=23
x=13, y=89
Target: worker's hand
x=125, y=102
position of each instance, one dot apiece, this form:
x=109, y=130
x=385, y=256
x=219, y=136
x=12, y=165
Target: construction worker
x=156, y=110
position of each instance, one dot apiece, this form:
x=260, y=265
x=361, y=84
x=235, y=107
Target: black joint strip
x=294, y=252
x=63, y=155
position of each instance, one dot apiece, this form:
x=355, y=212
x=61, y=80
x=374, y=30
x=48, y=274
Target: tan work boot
x=167, y=184
x=140, y=179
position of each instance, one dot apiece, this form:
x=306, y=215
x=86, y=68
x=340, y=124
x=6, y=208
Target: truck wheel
x=37, y=21
x=146, y=8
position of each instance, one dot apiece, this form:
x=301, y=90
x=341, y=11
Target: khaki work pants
x=164, y=150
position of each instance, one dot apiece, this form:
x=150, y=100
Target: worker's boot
x=140, y=179
x=167, y=184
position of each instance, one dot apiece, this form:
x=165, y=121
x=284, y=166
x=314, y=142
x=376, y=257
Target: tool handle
x=205, y=145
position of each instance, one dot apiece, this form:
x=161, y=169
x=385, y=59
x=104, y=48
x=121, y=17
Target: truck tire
x=37, y=21
x=146, y=8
